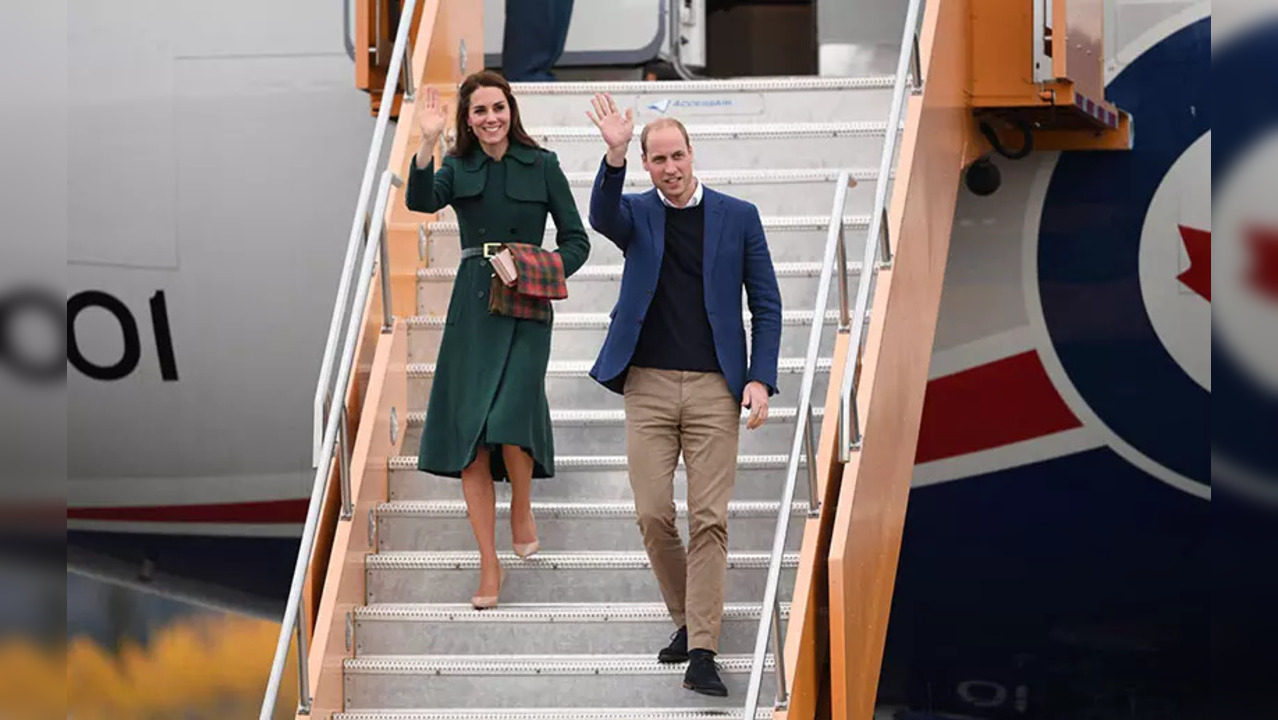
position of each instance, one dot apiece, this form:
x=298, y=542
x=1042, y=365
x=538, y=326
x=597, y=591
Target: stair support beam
x=937, y=143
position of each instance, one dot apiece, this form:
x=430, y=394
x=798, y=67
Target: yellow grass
x=198, y=668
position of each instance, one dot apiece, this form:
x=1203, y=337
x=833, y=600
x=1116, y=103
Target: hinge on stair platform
x=372, y=529
x=350, y=632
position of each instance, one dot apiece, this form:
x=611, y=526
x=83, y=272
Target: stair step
x=599, y=478
x=579, y=577
x=659, y=87
x=581, y=368
x=582, y=680
x=561, y=613
x=618, y=462
x=568, y=383
x=613, y=272
x=580, y=335
x=791, y=238
x=600, y=321
x=595, y=287
x=566, y=510
x=775, y=191
x=548, y=561
x=769, y=222
x=555, y=714
x=741, y=145
x=443, y=525
x=560, y=713
x=773, y=99
x=519, y=628
x=618, y=417
x=594, y=432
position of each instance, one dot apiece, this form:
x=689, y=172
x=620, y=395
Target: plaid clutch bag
x=541, y=279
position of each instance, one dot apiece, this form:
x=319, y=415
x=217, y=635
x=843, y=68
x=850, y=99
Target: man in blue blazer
x=676, y=350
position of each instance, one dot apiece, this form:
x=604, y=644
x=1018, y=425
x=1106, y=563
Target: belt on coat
x=487, y=250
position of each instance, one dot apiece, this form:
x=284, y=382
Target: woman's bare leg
x=523, y=528
x=481, y=505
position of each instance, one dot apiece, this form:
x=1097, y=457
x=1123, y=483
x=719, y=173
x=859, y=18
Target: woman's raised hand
x=431, y=115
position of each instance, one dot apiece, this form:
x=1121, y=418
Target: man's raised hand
x=615, y=128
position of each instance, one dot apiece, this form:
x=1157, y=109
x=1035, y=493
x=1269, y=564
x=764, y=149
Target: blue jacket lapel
x=657, y=225
x=714, y=228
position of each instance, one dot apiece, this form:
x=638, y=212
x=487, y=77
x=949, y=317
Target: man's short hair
x=657, y=125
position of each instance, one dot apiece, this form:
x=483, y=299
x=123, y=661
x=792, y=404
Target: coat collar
x=517, y=151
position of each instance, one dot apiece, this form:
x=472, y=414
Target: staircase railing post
x=884, y=239
x=303, y=662
x=844, y=313
x=388, y=315
x=809, y=449
x=778, y=661
x=344, y=463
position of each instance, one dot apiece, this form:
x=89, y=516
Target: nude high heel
x=484, y=602
x=526, y=550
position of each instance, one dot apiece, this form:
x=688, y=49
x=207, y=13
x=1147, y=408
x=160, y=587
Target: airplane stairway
x=578, y=626
x=580, y=623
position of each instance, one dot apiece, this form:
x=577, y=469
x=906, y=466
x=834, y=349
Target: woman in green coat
x=487, y=419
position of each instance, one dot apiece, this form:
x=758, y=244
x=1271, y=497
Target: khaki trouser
x=668, y=411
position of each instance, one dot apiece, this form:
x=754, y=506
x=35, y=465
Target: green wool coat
x=490, y=379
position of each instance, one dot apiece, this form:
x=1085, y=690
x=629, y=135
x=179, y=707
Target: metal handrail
x=849, y=322
x=358, y=233
x=294, y=615
x=878, y=241
x=330, y=417
x=769, y=618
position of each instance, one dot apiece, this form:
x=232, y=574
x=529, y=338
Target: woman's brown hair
x=486, y=78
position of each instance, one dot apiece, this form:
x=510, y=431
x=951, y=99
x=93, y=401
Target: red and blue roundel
x=1124, y=263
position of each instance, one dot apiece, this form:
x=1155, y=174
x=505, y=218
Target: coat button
x=483, y=231
x=514, y=231
x=479, y=294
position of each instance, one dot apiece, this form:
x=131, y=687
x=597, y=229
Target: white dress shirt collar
x=693, y=202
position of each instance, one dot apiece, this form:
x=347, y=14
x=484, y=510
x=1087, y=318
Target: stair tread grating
x=770, y=222
x=682, y=87
x=613, y=560
x=613, y=272
x=581, y=368
x=768, y=176
x=621, y=462
x=534, y=665
x=546, y=510
x=727, y=131
x=540, y=613
x=417, y=418
x=555, y=714
x=600, y=321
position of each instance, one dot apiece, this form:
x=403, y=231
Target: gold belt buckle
x=495, y=248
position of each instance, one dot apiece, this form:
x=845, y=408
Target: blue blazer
x=736, y=256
